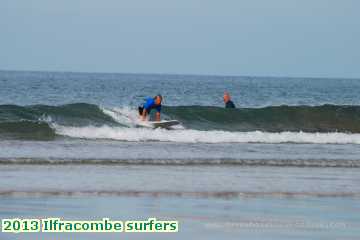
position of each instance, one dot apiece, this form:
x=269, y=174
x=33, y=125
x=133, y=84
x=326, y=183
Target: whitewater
x=197, y=136
x=128, y=117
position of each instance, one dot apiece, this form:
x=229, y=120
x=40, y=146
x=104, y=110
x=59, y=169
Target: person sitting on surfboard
x=151, y=103
x=227, y=101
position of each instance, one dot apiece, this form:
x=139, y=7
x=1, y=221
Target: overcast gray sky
x=317, y=38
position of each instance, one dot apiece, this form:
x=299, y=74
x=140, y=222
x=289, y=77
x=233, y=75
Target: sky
x=296, y=38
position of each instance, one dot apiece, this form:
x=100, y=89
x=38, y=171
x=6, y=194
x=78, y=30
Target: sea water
x=284, y=164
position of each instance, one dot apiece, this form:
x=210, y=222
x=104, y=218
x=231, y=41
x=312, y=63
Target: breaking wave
x=327, y=124
x=197, y=136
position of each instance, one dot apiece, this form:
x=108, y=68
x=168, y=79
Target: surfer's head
x=226, y=97
x=158, y=99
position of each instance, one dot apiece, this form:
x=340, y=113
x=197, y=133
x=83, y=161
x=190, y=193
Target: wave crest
x=327, y=124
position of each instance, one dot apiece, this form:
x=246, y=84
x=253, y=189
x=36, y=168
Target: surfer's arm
x=157, y=116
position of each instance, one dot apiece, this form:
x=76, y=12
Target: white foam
x=196, y=136
x=129, y=117
x=126, y=115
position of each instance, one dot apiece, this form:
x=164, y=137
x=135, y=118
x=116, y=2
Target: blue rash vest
x=150, y=104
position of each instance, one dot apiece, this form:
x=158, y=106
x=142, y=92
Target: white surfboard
x=167, y=124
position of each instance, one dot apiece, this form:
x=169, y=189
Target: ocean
x=284, y=164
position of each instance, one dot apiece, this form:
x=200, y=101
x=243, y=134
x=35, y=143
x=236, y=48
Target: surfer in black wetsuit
x=227, y=101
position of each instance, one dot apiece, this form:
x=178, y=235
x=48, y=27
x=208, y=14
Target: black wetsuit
x=229, y=104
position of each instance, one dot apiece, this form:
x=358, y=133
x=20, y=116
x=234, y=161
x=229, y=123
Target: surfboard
x=167, y=124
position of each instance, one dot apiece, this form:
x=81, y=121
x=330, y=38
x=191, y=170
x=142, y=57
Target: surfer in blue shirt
x=151, y=103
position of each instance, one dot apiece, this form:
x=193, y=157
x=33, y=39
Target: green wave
x=26, y=130
x=77, y=114
x=35, y=122
x=325, y=118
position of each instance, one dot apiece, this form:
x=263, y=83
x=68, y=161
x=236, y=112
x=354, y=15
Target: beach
x=208, y=201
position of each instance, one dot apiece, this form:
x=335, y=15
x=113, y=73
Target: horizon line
x=181, y=74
